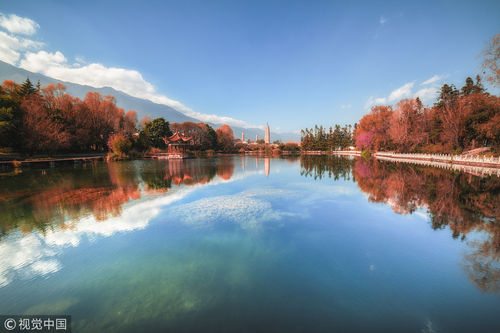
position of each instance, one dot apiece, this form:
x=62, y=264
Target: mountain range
x=143, y=107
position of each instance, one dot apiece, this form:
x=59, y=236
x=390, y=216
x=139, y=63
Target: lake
x=246, y=244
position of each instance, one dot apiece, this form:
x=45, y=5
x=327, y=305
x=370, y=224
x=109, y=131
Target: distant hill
x=143, y=107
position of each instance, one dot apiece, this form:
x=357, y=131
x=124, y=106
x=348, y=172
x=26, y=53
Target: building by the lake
x=267, y=134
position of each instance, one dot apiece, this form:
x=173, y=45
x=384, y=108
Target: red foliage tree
x=225, y=138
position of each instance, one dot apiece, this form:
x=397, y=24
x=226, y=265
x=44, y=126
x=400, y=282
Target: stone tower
x=267, y=134
x=242, y=136
x=256, y=138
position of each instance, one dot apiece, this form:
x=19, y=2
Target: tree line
x=47, y=120
x=318, y=138
x=460, y=120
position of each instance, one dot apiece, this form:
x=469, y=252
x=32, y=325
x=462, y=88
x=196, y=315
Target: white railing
x=446, y=158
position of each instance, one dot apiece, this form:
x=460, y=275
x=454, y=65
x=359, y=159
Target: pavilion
x=177, y=143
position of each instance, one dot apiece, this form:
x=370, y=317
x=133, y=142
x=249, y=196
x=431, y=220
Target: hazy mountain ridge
x=143, y=107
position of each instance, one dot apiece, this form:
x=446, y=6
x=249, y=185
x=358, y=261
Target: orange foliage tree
x=51, y=120
x=225, y=138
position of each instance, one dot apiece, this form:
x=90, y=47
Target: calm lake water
x=325, y=244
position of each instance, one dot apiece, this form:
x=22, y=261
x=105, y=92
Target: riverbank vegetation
x=47, y=120
x=336, y=138
x=461, y=119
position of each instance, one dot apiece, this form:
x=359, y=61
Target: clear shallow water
x=252, y=244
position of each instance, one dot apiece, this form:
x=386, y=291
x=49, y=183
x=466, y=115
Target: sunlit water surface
x=252, y=244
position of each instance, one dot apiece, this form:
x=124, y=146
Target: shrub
x=366, y=154
x=119, y=146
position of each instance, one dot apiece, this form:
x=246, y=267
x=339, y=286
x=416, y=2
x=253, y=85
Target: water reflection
x=188, y=245
x=63, y=204
x=39, y=198
x=466, y=204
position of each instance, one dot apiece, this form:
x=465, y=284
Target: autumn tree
x=490, y=63
x=406, y=125
x=40, y=132
x=376, y=123
x=225, y=138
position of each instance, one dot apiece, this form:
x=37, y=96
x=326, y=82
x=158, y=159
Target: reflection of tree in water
x=38, y=199
x=162, y=175
x=189, y=172
x=462, y=202
x=225, y=167
x=321, y=166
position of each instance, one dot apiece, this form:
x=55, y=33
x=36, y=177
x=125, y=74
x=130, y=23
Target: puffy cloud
x=18, y=25
x=375, y=101
x=56, y=65
x=11, y=46
x=426, y=95
x=402, y=92
x=97, y=75
x=382, y=20
x=433, y=79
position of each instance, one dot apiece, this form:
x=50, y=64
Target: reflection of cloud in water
x=25, y=256
x=428, y=328
x=249, y=209
x=29, y=255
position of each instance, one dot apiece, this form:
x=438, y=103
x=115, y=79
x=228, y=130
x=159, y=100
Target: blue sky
x=290, y=63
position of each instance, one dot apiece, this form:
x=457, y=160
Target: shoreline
x=52, y=160
x=482, y=161
x=472, y=164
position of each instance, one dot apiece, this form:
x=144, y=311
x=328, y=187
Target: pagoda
x=177, y=145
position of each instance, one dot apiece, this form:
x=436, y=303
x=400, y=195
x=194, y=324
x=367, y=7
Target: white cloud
x=18, y=25
x=433, y=79
x=382, y=20
x=12, y=46
x=345, y=106
x=426, y=95
x=402, y=92
x=97, y=75
x=56, y=65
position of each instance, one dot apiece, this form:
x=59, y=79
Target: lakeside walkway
x=51, y=161
x=476, y=165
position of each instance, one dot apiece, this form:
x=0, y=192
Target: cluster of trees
x=46, y=120
x=461, y=119
x=336, y=138
x=36, y=119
